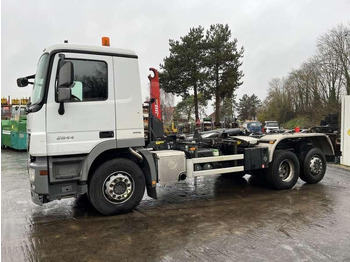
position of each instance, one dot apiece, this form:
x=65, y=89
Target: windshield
x=39, y=82
x=254, y=124
x=272, y=124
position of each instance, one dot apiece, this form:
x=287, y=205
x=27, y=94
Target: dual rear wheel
x=313, y=166
x=286, y=168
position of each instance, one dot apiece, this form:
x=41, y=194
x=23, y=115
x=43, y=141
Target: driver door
x=89, y=116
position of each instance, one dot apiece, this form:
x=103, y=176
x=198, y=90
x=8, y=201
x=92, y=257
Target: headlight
x=31, y=175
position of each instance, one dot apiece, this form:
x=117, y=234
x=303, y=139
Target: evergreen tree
x=182, y=71
x=248, y=106
x=223, y=65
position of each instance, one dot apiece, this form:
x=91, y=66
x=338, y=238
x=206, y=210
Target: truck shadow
x=194, y=191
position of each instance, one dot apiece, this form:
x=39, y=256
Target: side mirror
x=64, y=83
x=64, y=94
x=65, y=74
x=22, y=82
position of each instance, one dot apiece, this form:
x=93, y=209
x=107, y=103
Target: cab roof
x=91, y=49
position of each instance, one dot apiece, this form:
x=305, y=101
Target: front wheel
x=283, y=172
x=117, y=186
x=313, y=166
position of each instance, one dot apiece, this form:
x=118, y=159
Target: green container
x=19, y=126
x=19, y=140
x=5, y=133
x=14, y=134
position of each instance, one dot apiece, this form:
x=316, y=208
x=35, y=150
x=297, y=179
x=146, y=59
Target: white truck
x=271, y=127
x=86, y=135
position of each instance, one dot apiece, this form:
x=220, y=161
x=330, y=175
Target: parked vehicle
x=271, y=127
x=254, y=127
x=86, y=135
x=207, y=124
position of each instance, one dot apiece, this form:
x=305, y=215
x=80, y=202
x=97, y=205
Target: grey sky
x=277, y=35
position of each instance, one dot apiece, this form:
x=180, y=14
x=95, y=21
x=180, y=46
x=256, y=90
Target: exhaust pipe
x=135, y=154
x=182, y=177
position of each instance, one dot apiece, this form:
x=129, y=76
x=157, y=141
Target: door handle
x=106, y=134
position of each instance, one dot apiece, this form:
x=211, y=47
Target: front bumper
x=37, y=199
x=39, y=184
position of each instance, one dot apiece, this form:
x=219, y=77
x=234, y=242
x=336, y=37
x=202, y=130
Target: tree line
x=203, y=65
x=313, y=90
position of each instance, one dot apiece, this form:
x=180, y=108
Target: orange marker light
x=105, y=41
x=43, y=172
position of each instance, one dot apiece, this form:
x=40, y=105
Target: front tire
x=313, y=166
x=117, y=186
x=283, y=172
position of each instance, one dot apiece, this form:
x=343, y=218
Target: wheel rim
x=316, y=165
x=118, y=187
x=286, y=170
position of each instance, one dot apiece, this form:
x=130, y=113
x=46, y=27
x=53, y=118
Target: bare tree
x=315, y=88
x=335, y=45
x=278, y=104
x=330, y=79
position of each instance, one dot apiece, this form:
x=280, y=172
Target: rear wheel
x=313, y=166
x=117, y=186
x=283, y=172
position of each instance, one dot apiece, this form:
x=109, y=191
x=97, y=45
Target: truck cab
x=103, y=103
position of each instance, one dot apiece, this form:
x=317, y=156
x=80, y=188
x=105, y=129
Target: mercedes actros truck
x=86, y=136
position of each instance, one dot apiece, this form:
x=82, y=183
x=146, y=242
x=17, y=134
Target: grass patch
x=302, y=122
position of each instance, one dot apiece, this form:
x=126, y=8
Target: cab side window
x=90, y=80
